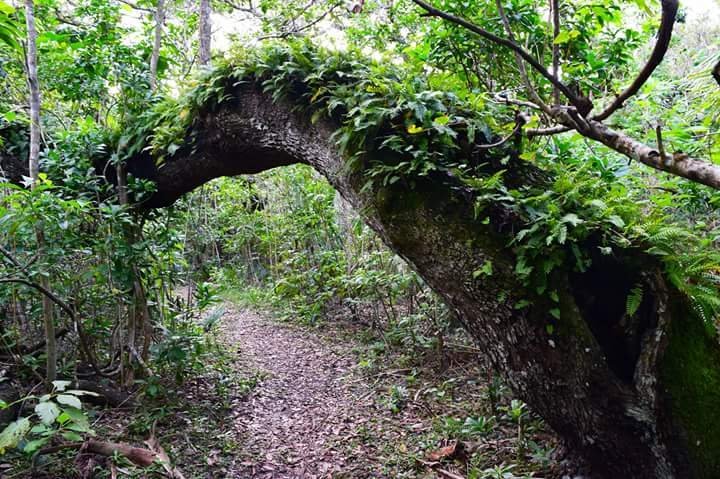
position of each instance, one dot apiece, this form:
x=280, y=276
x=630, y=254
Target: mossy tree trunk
x=636, y=396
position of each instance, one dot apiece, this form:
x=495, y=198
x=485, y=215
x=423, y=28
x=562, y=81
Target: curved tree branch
x=604, y=394
x=664, y=35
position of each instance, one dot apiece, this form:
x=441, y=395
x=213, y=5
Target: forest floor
x=282, y=400
x=330, y=406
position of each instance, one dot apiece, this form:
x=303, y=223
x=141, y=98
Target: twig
x=518, y=124
x=14, y=261
x=520, y=63
x=667, y=24
x=448, y=474
x=44, y=291
x=661, y=147
x=553, y=130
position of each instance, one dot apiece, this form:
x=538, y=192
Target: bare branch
x=520, y=63
x=299, y=30
x=520, y=120
x=9, y=256
x=135, y=6
x=664, y=35
x=504, y=99
x=49, y=294
x=678, y=163
x=434, y=12
x=549, y=131
x=661, y=146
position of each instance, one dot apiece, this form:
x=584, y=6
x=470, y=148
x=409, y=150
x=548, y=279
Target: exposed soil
x=321, y=412
x=312, y=417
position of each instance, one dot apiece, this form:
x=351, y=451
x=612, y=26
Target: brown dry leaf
x=447, y=452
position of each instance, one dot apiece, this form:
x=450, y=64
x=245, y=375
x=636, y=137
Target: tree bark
x=155, y=57
x=34, y=168
x=637, y=397
x=205, y=32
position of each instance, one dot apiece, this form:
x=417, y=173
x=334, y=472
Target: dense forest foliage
x=533, y=182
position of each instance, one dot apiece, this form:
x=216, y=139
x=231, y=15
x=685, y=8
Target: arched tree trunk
x=638, y=397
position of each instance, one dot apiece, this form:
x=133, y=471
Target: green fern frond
x=634, y=300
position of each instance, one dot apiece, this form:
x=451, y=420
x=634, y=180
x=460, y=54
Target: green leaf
x=565, y=36
x=533, y=122
x=617, y=221
x=13, y=434
x=442, y=120
x=34, y=445
x=572, y=218
x=634, y=300
x=69, y=400
x=72, y=436
x=47, y=412
x=414, y=129
x=523, y=303
x=6, y=9
x=486, y=270
x=76, y=416
x=643, y=5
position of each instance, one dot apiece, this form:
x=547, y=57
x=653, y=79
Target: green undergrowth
x=395, y=127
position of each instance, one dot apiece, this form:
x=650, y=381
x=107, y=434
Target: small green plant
x=56, y=414
x=517, y=413
x=502, y=471
x=478, y=426
x=397, y=398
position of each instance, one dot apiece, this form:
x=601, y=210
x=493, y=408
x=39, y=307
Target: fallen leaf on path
x=447, y=452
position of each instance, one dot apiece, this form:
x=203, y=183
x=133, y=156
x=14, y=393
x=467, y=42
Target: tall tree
x=159, y=15
x=34, y=168
x=205, y=32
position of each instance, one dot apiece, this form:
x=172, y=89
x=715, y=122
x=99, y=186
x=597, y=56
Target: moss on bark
x=690, y=374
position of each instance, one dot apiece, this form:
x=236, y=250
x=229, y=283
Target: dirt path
x=312, y=416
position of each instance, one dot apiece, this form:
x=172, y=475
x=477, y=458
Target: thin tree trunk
x=205, y=32
x=155, y=57
x=555, y=12
x=34, y=168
